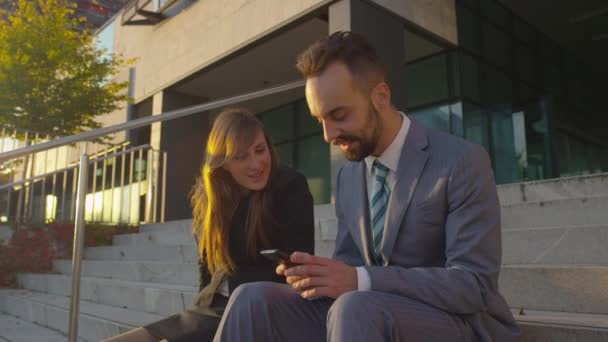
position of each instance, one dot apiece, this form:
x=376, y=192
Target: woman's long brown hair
x=216, y=195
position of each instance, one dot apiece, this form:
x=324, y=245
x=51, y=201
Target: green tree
x=53, y=79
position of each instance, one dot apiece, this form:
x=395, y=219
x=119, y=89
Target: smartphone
x=278, y=256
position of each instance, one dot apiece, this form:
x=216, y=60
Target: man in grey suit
x=419, y=244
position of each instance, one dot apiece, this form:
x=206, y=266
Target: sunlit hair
x=347, y=47
x=216, y=195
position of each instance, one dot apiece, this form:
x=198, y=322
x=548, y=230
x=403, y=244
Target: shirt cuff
x=363, y=281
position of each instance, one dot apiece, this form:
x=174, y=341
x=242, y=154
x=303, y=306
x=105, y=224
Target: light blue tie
x=379, y=205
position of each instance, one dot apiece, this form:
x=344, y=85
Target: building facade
x=495, y=72
x=521, y=78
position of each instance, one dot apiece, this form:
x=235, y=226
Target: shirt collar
x=390, y=157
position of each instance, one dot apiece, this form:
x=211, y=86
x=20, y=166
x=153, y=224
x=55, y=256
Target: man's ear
x=381, y=97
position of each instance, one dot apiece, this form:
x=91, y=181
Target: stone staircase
x=555, y=257
x=140, y=279
x=555, y=270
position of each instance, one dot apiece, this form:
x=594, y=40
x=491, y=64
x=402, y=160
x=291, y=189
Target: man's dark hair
x=350, y=48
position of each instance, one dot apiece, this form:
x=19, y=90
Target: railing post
x=2, y=137
x=8, y=203
x=157, y=166
x=150, y=165
x=22, y=197
x=78, y=245
x=164, y=189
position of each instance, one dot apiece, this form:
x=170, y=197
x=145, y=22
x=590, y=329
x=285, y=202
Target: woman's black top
x=293, y=230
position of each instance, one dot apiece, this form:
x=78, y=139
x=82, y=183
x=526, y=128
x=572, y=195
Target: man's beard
x=366, y=146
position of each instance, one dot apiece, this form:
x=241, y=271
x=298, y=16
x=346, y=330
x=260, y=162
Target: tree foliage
x=53, y=79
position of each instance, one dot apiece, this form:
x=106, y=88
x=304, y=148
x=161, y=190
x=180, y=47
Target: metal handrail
x=109, y=156
x=148, y=120
x=83, y=170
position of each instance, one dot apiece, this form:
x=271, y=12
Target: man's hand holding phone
x=313, y=276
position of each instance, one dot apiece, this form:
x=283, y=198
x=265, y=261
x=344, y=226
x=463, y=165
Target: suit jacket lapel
x=361, y=227
x=411, y=163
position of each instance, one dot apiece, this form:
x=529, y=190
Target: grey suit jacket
x=442, y=238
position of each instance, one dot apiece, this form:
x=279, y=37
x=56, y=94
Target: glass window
x=475, y=124
x=453, y=57
x=470, y=122
x=105, y=40
x=498, y=89
x=565, y=155
x=307, y=151
x=470, y=77
x=279, y=123
x=418, y=47
x=468, y=30
x=535, y=139
x=525, y=64
x=496, y=46
x=526, y=93
x=472, y=4
x=551, y=80
x=507, y=147
x=139, y=170
x=456, y=119
x=495, y=13
x=524, y=31
x=579, y=157
x=437, y=117
x=426, y=81
x=306, y=123
x=285, y=154
x=550, y=52
x=604, y=159
x=313, y=155
x=594, y=158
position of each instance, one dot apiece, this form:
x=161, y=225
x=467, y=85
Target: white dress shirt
x=389, y=158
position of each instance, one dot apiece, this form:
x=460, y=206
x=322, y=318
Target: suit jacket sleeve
x=472, y=245
x=346, y=250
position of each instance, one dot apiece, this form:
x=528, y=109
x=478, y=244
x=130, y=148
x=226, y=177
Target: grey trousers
x=275, y=312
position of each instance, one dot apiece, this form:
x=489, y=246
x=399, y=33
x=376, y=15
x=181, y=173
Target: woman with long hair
x=243, y=202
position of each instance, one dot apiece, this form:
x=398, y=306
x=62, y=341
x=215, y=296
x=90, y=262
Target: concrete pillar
x=384, y=30
x=184, y=141
x=153, y=169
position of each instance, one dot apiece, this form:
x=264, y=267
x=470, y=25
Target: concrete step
x=577, y=289
x=325, y=248
x=321, y=211
x=144, y=271
x=327, y=229
x=162, y=299
x=324, y=211
x=150, y=252
x=554, y=189
x=546, y=326
x=576, y=245
x=160, y=237
x=556, y=213
x=182, y=226
x=579, y=245
x=156, y=235
x=95, y=321
x=13, y=329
